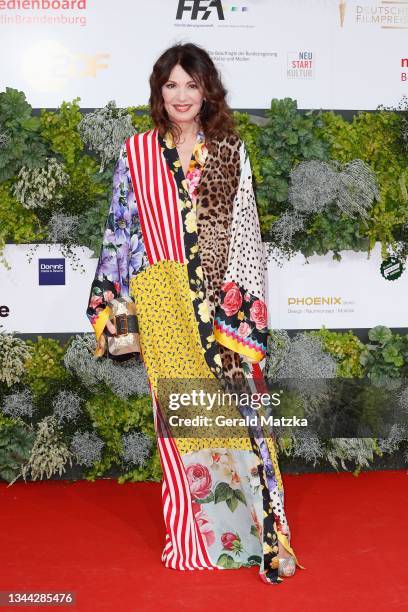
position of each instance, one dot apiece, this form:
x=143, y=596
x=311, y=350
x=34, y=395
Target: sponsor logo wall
x=47, y=296
x=336, y=54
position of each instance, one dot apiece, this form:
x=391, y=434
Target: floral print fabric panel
x=122, y=253
x=241, y=321
x=227, y=504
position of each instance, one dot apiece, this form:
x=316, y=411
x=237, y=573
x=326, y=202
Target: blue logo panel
x=51, y=271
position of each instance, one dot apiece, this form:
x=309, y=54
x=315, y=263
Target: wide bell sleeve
x=122, y=253
x=240, y=321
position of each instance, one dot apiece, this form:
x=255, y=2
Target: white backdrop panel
x=360, y=297
x=354, y=55
x=346, y=294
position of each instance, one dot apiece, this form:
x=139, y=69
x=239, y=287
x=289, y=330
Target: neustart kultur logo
x=51, y=271
x=301, y=65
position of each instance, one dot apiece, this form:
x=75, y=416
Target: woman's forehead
x=180, y=75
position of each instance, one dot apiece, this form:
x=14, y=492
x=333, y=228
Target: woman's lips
x=182, y=108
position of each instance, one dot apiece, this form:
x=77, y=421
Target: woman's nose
x=181, y=95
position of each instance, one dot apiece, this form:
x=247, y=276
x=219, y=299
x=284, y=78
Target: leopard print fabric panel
x=215, y=199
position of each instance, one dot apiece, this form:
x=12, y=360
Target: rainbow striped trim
x=227, y=336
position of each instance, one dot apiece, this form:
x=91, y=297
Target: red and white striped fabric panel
x=156, y=197
x=259, y=379
x=185, y=547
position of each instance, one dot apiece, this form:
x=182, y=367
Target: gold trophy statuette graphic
x=342, y=9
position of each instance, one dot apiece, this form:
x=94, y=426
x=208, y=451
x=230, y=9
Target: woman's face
x=182, y=96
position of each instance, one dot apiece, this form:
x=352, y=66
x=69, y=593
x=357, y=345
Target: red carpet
x=104, y=541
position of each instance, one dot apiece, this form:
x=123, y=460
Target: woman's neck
x=188, y=130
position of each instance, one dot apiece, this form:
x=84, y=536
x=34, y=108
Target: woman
x=183, y=240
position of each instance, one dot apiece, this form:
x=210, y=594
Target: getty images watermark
x=329, y=408
x=249, y=405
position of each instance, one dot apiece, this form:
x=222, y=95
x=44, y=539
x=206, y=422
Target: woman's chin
x=182, y=117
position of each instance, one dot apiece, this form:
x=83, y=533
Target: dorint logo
x=199, y=9
x=51, y=271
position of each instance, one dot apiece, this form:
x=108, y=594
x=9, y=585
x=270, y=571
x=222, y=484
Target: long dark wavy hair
x=215, y=116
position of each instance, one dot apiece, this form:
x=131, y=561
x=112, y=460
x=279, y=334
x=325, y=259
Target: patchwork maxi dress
x=188, y=250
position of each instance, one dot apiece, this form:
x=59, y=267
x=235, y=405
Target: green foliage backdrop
x=58, y=407
x=85, y=150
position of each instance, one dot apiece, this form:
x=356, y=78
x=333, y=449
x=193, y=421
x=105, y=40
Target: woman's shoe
x=287, y=566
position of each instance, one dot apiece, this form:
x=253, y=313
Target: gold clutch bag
x=126, y=340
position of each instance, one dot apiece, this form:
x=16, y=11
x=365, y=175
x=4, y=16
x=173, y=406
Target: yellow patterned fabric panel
x=190, y=445
x=170, y=339
x=168, y=330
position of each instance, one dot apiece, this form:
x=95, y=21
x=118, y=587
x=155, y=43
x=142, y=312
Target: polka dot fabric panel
x=246, y=260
